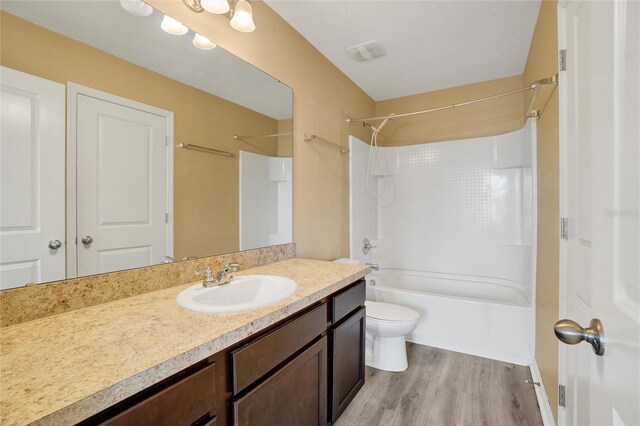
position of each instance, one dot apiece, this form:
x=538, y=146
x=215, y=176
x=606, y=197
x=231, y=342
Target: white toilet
x=387, y=324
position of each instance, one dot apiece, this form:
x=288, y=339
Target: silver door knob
x=55, y=244
x=571, y=333
x=87, y=240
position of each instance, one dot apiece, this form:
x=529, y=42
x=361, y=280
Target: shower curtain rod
x=535, y=86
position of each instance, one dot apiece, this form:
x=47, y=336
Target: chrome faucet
x=224, y=276
x=221, y=278
x=374, y=266
x=209, y=280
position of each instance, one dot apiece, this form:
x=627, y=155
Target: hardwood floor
x=445, y=388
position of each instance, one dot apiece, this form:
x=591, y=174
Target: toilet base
x=386, y=353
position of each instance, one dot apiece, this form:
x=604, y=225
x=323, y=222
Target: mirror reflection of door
x=122, y=180
x=119, y=182
x=31, y=179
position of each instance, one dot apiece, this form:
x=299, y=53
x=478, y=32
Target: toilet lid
x=390, y=312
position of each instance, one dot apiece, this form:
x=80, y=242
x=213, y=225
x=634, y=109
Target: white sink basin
x=244, y=293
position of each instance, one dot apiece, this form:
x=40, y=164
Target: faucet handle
x=232, y=266
x=207, y=272
x=366, y=246
x=209, y=280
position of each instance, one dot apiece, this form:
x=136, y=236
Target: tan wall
x=323, y=97
x=542, y=62
x=206, y=186
x=489, y=118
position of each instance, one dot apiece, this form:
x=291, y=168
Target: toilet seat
x=388, y=312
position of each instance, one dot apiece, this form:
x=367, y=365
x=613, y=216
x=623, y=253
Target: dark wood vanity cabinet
x=295, y=395
x=281, y=377
x=302, y=371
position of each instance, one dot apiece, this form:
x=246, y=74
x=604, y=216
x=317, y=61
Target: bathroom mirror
x=121, y=152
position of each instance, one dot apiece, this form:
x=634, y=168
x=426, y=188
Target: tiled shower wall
x=462, y=207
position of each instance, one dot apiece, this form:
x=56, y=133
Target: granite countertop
x=67, y=367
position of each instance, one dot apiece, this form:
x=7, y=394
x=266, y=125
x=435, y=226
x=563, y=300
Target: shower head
x=376, y=130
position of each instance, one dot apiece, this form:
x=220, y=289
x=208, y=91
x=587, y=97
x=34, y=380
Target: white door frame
x=563, y=207
x=73, y=90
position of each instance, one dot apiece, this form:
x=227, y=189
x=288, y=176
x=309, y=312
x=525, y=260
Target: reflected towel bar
x=275, y=135
x=205, y=149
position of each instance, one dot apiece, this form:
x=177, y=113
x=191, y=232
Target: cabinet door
x=348, y=341
x=294, y=395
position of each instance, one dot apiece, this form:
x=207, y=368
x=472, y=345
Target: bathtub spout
x=374, y=266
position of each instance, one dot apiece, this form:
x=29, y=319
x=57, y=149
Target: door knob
x=571, y=333
x=87, y=240
x=55, y=244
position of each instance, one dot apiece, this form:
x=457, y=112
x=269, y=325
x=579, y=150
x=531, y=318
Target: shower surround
x=453, y=228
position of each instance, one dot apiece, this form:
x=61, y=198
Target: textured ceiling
x=108, y=27
x=430, y=45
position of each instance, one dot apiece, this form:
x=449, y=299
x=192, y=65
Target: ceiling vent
x=366, y=51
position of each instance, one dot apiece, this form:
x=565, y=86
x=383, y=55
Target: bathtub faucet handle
x=366, y=246
x=374, y=266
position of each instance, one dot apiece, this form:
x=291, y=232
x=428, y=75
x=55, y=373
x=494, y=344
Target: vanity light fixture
x=242, y=19
x=219, y=7
x=241, y=13
x=201, y=42
x=171, y=26
x=136, y=7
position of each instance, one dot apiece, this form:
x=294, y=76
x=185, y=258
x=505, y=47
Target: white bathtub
x=487, y=317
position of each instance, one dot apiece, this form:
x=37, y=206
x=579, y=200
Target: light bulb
x=201, y=42
x=215, y=6
x=136, y=7
x=243, y=17
x=172, y=26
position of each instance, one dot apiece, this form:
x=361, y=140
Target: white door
x=600, y=192
x=122, y=182
x=32, y=233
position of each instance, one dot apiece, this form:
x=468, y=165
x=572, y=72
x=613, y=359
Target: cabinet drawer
x=182, y=403
x=346, y=302
x=254, y=360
